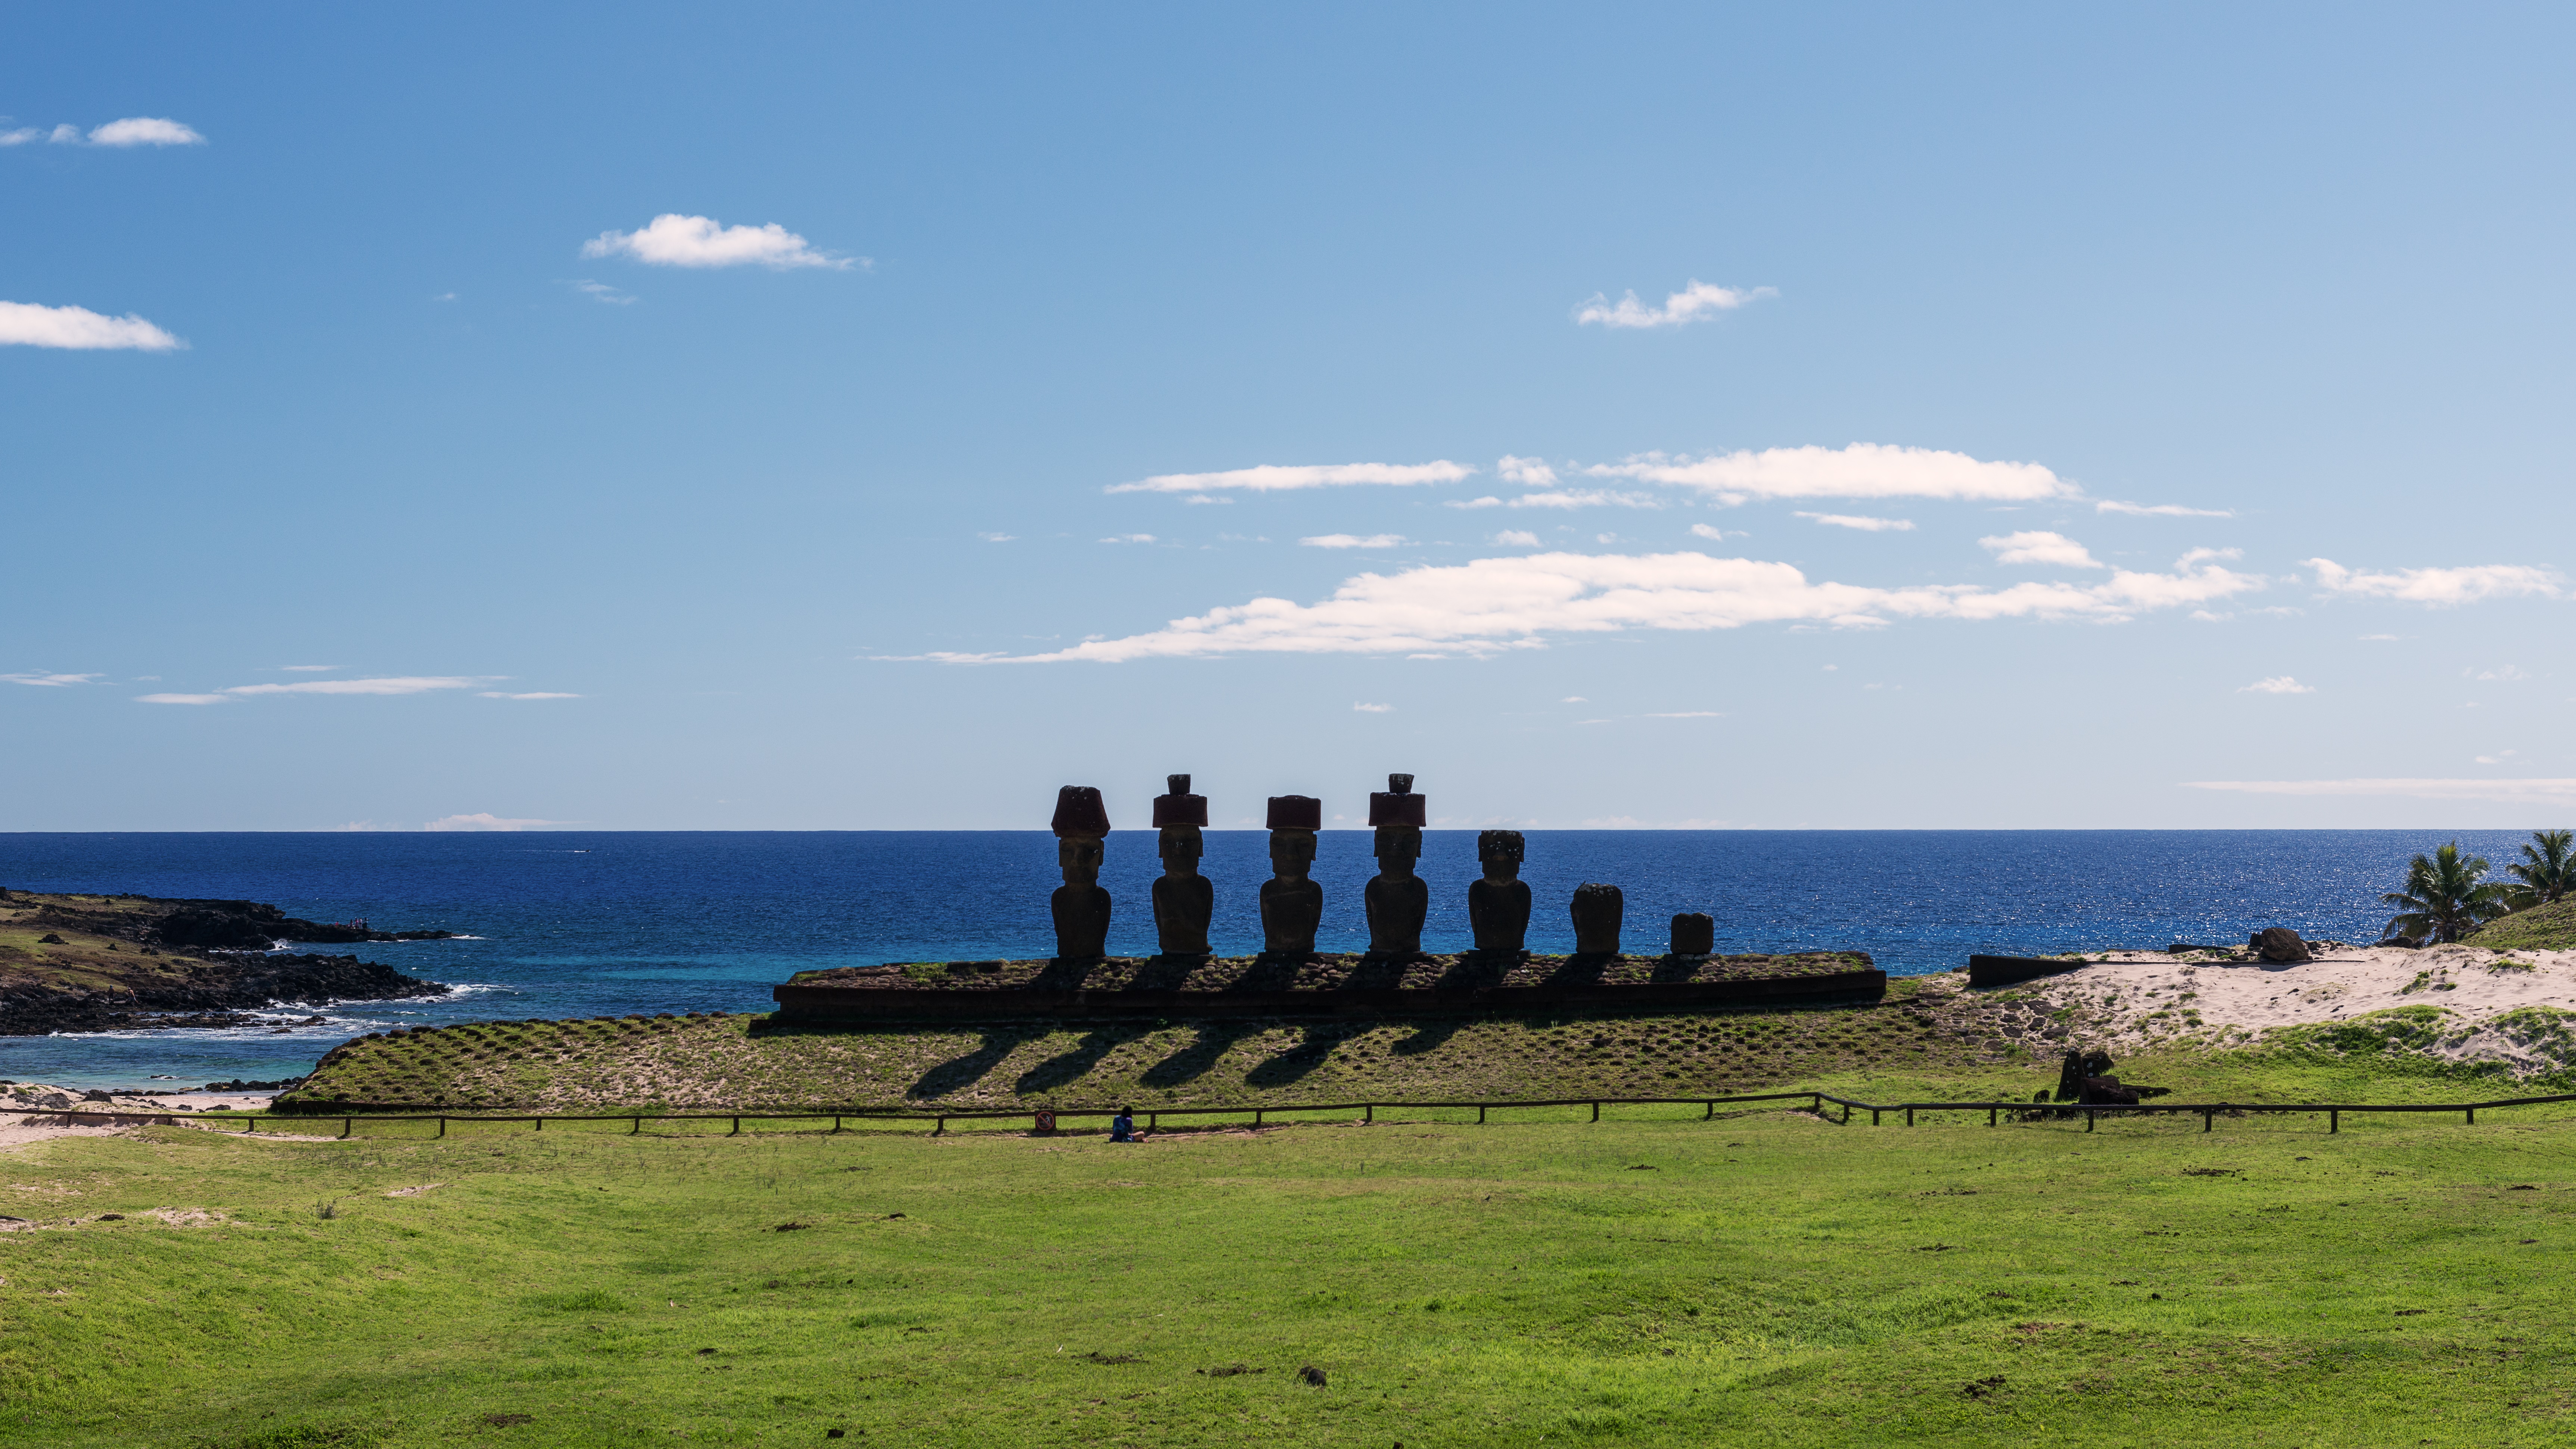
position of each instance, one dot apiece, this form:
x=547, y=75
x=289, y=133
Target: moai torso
x=1498, y=906
x=1597, y=912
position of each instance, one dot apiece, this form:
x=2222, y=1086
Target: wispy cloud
x=1272, y=478
x=46, y=680
x=1862, y=522
x=1374, y=708
x=1527, y=472
x=2278, y=684
x=1571, y=498
x=2161, y=510
x=997, y=537
x=1710, y=531
x=1697, y=302
x=28, y=324
x=1862, y=470
x=603, y=292
x=401, y=684
x=21, y=135
x=2439, y=587
x=146, y=131
x=1496, y=604
x=542, y=694
x=1353, y=540
x=1129, y=538
x=2547, y=790
x=181, y=699
x=485, y=820
x=308, y=668
x=673, y=240
x=1689, y=714
x=2040, y=548
x=1516, y=538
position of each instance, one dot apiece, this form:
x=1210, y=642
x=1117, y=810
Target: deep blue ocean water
x=596, y=924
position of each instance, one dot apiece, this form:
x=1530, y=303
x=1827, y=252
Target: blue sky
x=820, y=417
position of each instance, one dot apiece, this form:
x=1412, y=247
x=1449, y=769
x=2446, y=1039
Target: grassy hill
x=2542, y=928
x=1651, y=1280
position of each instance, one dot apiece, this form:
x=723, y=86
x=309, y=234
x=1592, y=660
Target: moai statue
x=1081, y=907
x=1693, y=934
x=1397, y=900
x=1597, y=909
x=1292, y=905
x=1184, y=900
x=1498, y=906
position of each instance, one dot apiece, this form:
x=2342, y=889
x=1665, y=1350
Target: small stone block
x=1693, y=934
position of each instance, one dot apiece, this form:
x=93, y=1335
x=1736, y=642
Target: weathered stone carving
x=1184, y=900
x=2279, y=945
x=1597, y=912
x=1693, y=934
x=1080, y=906
x=1498, y=906
x=1397, y=900
x=1292, y=905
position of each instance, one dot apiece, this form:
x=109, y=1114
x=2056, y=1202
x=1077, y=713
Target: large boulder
x=2279, y=945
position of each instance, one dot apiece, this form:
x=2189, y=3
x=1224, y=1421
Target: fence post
x=249, y=1125
x=737, y=1128
x=2208, y=1118
x=1909, y=1116
x=2334, y=1119
x=836, y=1121
x=1873, y=1116
x=1596, y=1111
x=1368, y=1111
x=442, y=1126
x=637, y=1128
x=1480, y=1114
x=541, y=1124
x=346, y=1123
x=1847, y=1114
x=2473, y=1116
x=1256, y=1116
x=2088, y=1119
x=1990, y=1115
x=1153, y=1121
x=1711, y=1114
x=940, y=1129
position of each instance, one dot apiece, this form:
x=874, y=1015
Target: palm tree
x=2447, y=896
x=2546, y=871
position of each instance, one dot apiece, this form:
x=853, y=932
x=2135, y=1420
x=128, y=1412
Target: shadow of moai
x=1299, y=1061
x=958, y=1073
x=1214, y=1040
x=1070, y=1066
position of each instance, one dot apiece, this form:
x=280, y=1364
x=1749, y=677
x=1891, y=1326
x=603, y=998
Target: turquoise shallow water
x=592, y=924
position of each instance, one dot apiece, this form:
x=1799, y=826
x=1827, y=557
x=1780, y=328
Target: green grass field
x=1653, y=1279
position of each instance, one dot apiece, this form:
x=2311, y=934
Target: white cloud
x=1703, y=530
x=1863, y=470
x=1690, y=714
x=308, y=668
x=603, y=292
x=1353, y=540
x=2378, y=638
x=2552, y=791
x=1129, y=538
x=1272, y=478
x=1862, y=522
x=52, y=681
x=498, y=694
x=485, y=820
x=2278, y=684
x=997, y=537
x=2510, y=671
x=1494, y=604
x=2041, y=548
x=1488, y=501
x=1527, y=472
x=22, y=136
x=1697, y=302
x=405, y=684
x=1580, y=498
x=180, y=699
x=1574, y=699
x=27, y=324
x=1516, y=538
x=2439, y=587
x=2161, y=510
x=673, y=240
x=145, y=131
x=66, y=134
x=1373, y=708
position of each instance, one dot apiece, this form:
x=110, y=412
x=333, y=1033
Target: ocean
x=565, y=923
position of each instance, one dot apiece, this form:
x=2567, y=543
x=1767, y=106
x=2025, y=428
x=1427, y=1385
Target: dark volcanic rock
x=205, y=993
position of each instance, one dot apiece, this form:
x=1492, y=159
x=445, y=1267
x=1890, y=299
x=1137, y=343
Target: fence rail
x=1816, y=1100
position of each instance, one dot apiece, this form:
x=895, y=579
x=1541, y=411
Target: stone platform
x=1341, y=986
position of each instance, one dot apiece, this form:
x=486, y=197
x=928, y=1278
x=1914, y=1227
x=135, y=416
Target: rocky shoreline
x=87, y=963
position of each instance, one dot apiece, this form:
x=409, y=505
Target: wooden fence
x=1816, y=1101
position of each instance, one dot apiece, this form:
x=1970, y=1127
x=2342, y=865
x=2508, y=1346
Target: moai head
x=1500, y=851
x=1180, y=848
x=1597, y=909
x=1080, y=857
x=1292, y=853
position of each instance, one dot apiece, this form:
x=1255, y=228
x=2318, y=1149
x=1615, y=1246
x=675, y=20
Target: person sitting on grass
x=1122, y=1128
